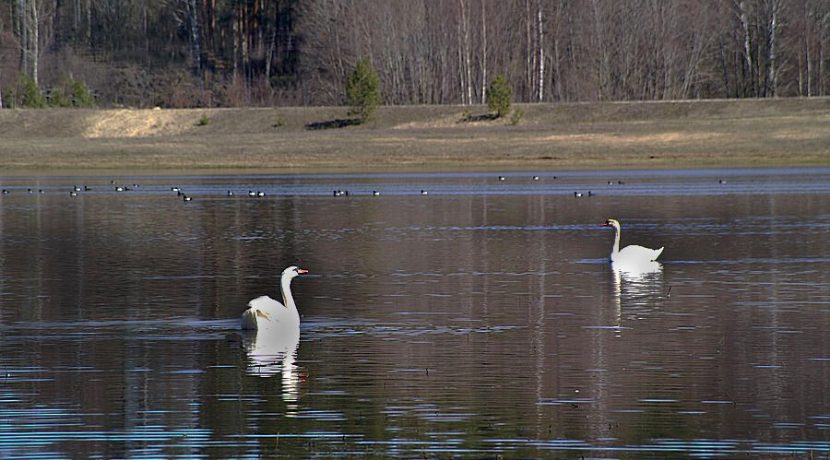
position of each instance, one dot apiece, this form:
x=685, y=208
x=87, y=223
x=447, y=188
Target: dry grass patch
x=136, y=123
x=551, y=136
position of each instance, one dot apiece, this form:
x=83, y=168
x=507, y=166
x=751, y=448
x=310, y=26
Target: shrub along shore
x=711, y=133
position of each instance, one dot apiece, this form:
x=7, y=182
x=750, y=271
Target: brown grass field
x=714, y=133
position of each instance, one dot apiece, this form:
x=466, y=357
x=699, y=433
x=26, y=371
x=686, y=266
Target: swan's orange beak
x=302, y=271
x=605, y=225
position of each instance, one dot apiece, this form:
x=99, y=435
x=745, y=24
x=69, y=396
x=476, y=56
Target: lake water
x=478, y=320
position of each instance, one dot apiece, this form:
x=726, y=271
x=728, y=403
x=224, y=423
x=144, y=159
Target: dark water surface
x=478, y=320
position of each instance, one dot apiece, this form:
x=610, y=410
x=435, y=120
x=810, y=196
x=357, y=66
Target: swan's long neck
x=287, y=298
x=616, y=240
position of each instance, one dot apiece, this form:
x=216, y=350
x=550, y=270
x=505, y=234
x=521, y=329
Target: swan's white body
x=630, y=255
x=265, y=313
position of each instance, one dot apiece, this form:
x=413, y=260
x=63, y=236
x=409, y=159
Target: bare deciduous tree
x=425, y=51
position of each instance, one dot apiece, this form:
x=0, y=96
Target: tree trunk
x=272, y=45
x=724, y=68
x=23, y=34
x=540, y=38
x=88, y=28
x=76, y=15
x=468, y=68
x=821, y=37
x=773, y=26
x=808, y=59
x=145, y=27
x=467, y=84
x=749, y=83
x=35, y=42
x=604, y=64
x=530, y=55
x=195, y=37
x=243, y=39
x=235, y=34
x=557, y=69
x=483, y=52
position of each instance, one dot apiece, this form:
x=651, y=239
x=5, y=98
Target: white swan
x=265, y=313
x=630, y=255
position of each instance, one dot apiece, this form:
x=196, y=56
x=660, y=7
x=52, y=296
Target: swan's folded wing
x=265, y=303
x=635, y=253
x=262, y=310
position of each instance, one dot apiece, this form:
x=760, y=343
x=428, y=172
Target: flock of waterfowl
x=76, y=190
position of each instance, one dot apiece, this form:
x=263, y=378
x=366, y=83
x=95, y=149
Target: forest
x=233, y=53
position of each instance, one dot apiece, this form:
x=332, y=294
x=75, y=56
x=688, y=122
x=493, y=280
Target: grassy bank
x=548, y=136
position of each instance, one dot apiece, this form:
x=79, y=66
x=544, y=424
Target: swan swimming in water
x=629, y=255
x=265, y=313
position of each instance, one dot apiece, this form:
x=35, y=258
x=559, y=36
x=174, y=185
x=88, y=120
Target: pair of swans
x=267, y=314
x=277, y=325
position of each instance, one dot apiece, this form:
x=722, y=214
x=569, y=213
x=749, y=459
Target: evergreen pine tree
x=499, y=96
x=363, y=91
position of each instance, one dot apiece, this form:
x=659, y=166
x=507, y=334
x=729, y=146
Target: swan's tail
x=657, y=253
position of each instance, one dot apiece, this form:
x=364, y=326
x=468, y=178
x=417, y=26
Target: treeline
x=183, y=53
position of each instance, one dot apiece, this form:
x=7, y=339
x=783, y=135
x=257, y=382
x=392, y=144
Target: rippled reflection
x=642, y=272
x=272, y=353
x=480, y=320
x=635, y=287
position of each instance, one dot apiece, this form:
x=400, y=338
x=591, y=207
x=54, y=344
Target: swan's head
x=293, y=271
x=612, y=223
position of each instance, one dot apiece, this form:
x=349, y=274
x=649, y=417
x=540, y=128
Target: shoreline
x=549, y=137
x=219, y=172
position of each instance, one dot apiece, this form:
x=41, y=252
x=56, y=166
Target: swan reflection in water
x=636, y=287
x=274, y=352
